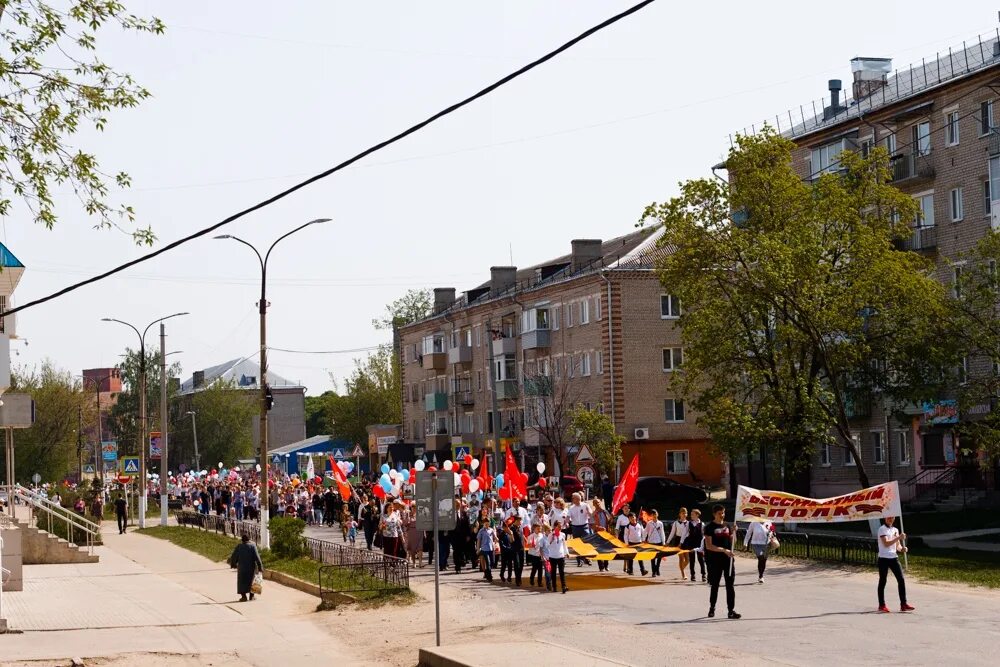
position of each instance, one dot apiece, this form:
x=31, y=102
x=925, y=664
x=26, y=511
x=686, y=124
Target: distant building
x=287, y=420
x=102, y=386
x=11, y=270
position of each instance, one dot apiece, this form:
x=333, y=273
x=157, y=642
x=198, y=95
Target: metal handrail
x=68, y=514
x=57, y=511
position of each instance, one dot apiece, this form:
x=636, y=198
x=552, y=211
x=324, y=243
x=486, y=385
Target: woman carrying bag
x=246, y=561
x=760, y=537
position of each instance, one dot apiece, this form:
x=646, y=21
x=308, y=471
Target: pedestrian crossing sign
x=357, y=451
x=338, y=454
x=130, y=465
x=461, y=451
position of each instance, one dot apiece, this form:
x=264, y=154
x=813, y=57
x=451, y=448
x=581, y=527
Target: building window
x=479, y=381
x=479, y=335
x=826, y=158
x=673, y=357
x=957, y=209
x=536, y=319
x=670, y=307
x=994, y=177
x=597, y=307
x=824, y=454
x=922, y=138
x=877, y=447
x=985, y=117
x=987, y=198
x=570, y=365
x=848, y=454
x=890, y=143
x=963, y=371
x=903, y=446
x=677, y=463
x=957, y=282
x=585, y=364
x=951, y=129
x=600, y=361
x=925, y=217
x=568, y=315
x=585, y=311
x=600, y=407
x=673, y=410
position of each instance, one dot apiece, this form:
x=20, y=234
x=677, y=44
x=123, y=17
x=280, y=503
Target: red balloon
x=524, y=478
x=413, y=473
x=542, y=482
x=468, y=459
x=466, y=475
x=378, y=491
x=432, y=469
x=465, y=484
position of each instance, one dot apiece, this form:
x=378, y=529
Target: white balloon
x=419, y=465
x=458, y=480
x=447, y=465
x=393, y=474
x=220, y=464
x=258, y=467
x=473, y=485
x=474, y=464
x=540, y=467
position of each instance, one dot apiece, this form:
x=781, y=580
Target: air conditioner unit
x=642, y=434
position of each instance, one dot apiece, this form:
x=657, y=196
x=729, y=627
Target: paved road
x=147, y=595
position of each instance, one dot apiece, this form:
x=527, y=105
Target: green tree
x=799, y=306
x=318, y=414
x=413, y=306
x=123, y=418
x=49, y=447
x=54, y=85
x=225, y=416
x=595, y=431
x=372, y=396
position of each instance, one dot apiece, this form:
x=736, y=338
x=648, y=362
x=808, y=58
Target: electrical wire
x=346, y=163
x=357, y=349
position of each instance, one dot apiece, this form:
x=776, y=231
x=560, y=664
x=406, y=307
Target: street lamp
x=265, y=390
x=142, y=405
x=194, y=432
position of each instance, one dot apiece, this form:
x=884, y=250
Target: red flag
x=512, y=479
x=626, y=487
x=342, y=483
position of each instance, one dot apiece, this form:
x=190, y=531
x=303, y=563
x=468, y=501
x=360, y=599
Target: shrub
x=287, y=540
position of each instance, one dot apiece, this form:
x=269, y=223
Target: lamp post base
x=265, y=534
x=164, y=507
x=142, y=510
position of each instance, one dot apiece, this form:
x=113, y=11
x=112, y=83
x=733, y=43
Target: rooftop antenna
x=510, y=249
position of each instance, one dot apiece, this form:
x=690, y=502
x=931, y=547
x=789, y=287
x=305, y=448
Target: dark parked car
x=662, y=493
x=570, y=485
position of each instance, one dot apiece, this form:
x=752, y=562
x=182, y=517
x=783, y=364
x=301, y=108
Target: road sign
x=444, y=495
x=109, y=450
x=130, y=465
x=124, y=479
x=357, y=451
x=276, y=459
x=36, y=478
x=17, y=411
x=338, y=453
x=585, y=474
x=154, y=445
x=88, y=468
x=461, y=451
x=584, y=455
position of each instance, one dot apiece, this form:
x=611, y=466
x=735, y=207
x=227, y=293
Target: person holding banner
x=890, y=544
x=719, y=558
x=758, y=538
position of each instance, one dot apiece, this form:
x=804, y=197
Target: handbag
x=258, y=583
x=773, y=542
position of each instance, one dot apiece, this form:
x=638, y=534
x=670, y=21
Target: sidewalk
x=149, y=596
x=955, y=541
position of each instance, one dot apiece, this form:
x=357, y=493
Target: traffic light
x=268, y=397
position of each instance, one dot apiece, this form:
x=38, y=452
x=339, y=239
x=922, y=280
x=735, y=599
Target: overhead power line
x=346, y=163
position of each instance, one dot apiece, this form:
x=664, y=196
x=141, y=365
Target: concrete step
x=42, y=547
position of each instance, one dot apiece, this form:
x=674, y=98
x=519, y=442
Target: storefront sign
x=942, y=412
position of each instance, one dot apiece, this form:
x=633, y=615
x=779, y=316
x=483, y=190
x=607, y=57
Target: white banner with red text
x=875, y=502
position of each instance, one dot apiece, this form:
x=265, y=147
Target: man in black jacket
x=121, y=513
x=369, y=521
x=461, y=536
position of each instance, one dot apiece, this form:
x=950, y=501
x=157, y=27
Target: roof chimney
x=502, y=278
x=444, y=298
x=834, y=108
x=870, y=75
x=198, y=380
x=585, y=252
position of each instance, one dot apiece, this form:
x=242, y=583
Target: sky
x=249, y=97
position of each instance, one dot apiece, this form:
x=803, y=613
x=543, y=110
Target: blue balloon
x=350, y=467
x=479, y=495
x=499, y=479
x=406, y=475
x=385, y=468
x=386, y=484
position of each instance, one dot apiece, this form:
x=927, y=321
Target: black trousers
x=558, y=565
x=537, y=567
x=122, y=522
x=506, y=564
x=630, y=564
x=701, y=561
x=369, y=536
x=885, y=565
x=719, y=568
x=518, y=565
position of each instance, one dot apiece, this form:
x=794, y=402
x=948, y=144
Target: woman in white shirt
x=655, y=535
x=634, y=534
x=534, y=556
x=890, y=543
x=758, y=538
x=678, y=532
x=555, y=551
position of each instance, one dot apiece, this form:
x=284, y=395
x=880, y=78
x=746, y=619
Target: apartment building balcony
x=538, y=386
x=534, y=340
x=923, y=239
x=437, y=361
x=858, y=404
x=437, y=441
x=506, y=390
x=460, y=355
x=436, y=401
x=462, y=397
x=912, y=167
x=504, y=346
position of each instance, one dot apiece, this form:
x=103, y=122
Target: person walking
x=655, y=535
x=391, y=526
x=758, y=538
x=369, y=521
x=719, y=557
x=506, y=539
x=890, y=544
x=121, y=513
x=534, y=541
x=484, y=544
x=518, y=548
x=555, y=552
x=678, y=532
x=579, y=523
x=695, y=536
x=600, y=521
x=633, y=535
x=414, y=538
x=246, y=561
x=621, y=521
x=97, y=509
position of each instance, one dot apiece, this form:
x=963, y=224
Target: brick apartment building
x=102, y=385
x=938, y=120
x=593, y=328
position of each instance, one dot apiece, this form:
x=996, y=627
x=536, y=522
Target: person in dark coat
x=460, y=538
x=121, y=509
x=246, y=561
x=370, y=516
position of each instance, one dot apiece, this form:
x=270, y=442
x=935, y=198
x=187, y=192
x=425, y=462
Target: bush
x=287, y=540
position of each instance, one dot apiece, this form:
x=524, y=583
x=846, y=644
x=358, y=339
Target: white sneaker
x=760, y=580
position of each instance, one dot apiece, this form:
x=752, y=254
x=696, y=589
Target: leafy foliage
x=224, y=414
x=596, y=431
x=415, y=305
x=372, y=397
x=54, y=85
x=123, y=418
x=803, y=310
x=287, y=536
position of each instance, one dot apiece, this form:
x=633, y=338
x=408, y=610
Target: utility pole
x=194, y=432
x=143, y=433
x=164, y=436
x=79, y=443
x=494, y=431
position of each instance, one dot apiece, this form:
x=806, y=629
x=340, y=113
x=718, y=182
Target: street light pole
x=265, y=534
x=164, y=436
x=141, y=439
x=194, y=432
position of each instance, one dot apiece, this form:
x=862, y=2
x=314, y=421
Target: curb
x=306, y=587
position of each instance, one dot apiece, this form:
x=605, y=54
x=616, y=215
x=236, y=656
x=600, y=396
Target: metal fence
x=829, y=548
x=219, y=524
